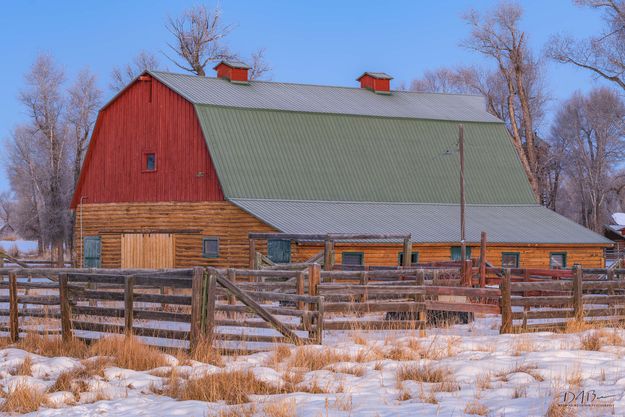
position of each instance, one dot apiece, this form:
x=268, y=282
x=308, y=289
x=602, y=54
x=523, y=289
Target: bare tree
x=604, y=55
x=45, y=105
x=590, y=131
x=120, y=77
x=7, y=208
x=259, y=66
x=199, y=39
x=198, y=35
x=84, y=102
x=497, y=35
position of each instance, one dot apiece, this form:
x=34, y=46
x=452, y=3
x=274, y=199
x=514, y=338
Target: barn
x=180, y=169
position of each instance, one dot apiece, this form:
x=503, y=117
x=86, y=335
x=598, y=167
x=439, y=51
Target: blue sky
x=319, y=42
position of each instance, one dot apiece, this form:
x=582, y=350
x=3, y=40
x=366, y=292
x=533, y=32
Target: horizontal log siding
x=214, y=219
x=531, y=256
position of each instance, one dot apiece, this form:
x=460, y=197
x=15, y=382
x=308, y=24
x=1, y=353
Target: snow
x=511, y=375
x=24, y=246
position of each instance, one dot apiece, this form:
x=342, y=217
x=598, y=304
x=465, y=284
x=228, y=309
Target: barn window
x=279, y=250
x=557, y=260
x=353, y=261
x=414, y=258
x=210, y=247
x=510, y=260
x=149, y=162
x=456, y=253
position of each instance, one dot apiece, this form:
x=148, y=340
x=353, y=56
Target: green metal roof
x=270, y=154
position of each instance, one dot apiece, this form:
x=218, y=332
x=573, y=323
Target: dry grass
x=281, y=408
x=423, y=373
x=356, y=370
x=529, y=369
x=400, y=353
x=404, y=394
x=240, y=411
x=429, y=397
x=278, y=355
x=520, y=391
x=344, y=403
x=591, y=341
x=203, y=352
x=26, y=367
x=557, y=410
x=75, y=380
x=315, y=359
x=22, y=398
x=523, y=345
x=476, y=408
x=575, y=379
x=129, y=353
x=52, y=346
x=231, y=387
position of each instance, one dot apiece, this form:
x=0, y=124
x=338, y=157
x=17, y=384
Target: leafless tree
x=497, y=35
x=199, y=39
x=84, y=102
x=120, y=77
x=604, y=54
x=590, y=132
x=7, y=208
x=49, y=150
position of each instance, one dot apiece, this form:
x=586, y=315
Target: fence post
x=13, y=308
x=506, y=303
x=483, y=260
x=314, y=276
x=129, y=288
x=66, y=312
x=319, y=324
x=252, y=254
x=423, y=314
x=299, y=287
x=468, y=273
x=578, y=304
x=328, y=255
x=407, y=253
x=211, y=295
x=232, y=277
x=196, y=306
x=364, y=281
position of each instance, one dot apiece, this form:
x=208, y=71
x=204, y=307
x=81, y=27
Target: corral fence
x=245, y=310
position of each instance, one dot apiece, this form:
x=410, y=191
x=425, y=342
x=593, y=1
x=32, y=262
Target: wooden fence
x=581, y=295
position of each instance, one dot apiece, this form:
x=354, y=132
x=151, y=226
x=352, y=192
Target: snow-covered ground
x=477, y=370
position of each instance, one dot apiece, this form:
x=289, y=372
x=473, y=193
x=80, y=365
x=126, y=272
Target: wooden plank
x=482, y=265
x=211, y=297
x=462, y=291
x=541, y=286
x=578, y=305
x=138, y=331
x=542, y=301
x=249, y=302
x=13, y=308
x=49, y=300
x=196, y=306
x=544, y=314
x=66, y=312
x=505, y=303
x=374, y=325
x=462, y=307
x=372, y=307
x=254, y=324
x=300, y=288
x=272, y=310
x=129, y=289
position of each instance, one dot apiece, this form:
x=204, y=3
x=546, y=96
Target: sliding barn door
x=148, y=250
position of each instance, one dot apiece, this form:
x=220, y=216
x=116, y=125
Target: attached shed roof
x=326, y=99
x=268, y=154
x=426, y=222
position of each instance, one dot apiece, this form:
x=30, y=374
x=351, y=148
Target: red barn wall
x=148, y=117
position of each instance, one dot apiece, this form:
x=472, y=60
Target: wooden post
x=66, y=312
x=483, y=260
x=468, y=273
x=13, y=308
x=364, y=281
x=407, y=252
x=314, y=276
x=253, y=254
x=211, y=297
x=319, y=324
x=328, y=254
x=506, y=303
x=129, y=288
x=526, y=308
x=578, y=304
x=197, y=282
x=232, y=277
x=258, y=260
x=300, y=288
x=423, y=315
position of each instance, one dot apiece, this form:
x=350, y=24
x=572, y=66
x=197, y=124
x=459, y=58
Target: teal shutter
x=91, y=252
x=279, y=250
x=456, y=253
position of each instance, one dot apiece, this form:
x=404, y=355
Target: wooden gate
x=148, y=250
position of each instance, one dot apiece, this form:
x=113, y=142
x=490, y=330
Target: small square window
x=414, y=258
x=456, y=253
x=353, y=261
x=510, y=260
x=210, y=247
x=150, y=162
x=557, y=260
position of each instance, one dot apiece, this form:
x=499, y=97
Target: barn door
x=279, y=250
x=148, y=250
x=91, y=252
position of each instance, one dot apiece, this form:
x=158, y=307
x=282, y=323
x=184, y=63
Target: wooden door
x=279, y=250
x=148, y=250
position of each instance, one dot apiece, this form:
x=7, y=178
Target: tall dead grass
x=52, y=346
x=314, y=359
x=129, y=353
x=22, y=399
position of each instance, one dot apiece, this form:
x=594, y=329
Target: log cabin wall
x=188, y=222
x=530, y=255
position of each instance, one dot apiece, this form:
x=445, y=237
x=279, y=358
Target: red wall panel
x=147, y=117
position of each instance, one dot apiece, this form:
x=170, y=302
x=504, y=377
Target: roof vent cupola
x=378, y=82
x=233, y=71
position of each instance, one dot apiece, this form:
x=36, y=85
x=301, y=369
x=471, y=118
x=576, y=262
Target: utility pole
x=463, y=244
